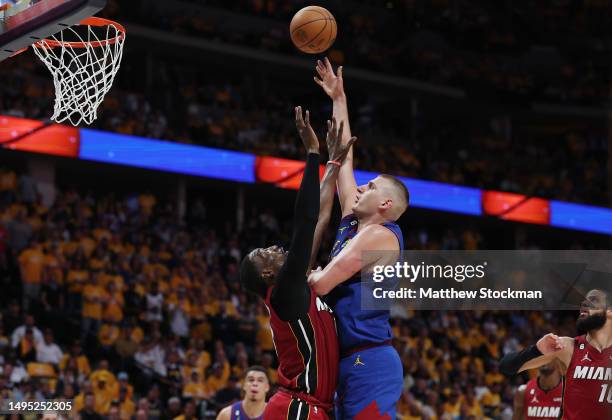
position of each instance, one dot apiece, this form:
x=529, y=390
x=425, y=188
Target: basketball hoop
x=83, y=60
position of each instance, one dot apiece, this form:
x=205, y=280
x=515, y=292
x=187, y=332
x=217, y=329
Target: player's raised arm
x=337, y=153
x=333, y=85
x=290, y=295
x=548, y=348
x=350, y=260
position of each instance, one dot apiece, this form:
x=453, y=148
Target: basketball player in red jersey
x=303, y=327
x=541, y=397
x=586, y=360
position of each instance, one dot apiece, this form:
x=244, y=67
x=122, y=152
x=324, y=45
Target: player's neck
x=375, y=219
x=549, y=382
x=601, y=339
x=253, y=408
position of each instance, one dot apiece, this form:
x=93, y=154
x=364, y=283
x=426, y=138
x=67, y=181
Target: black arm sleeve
x=291, y=295
x=512, y=362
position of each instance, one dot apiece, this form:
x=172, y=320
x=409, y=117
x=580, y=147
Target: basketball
x=313, y=29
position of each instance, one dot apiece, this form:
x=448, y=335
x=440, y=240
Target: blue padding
x=159, y=155
x=580, y=217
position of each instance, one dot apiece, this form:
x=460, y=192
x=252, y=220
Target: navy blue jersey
x=357, y=327
x=239, y=414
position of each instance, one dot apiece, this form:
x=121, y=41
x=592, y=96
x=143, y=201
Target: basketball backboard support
x=28, y=21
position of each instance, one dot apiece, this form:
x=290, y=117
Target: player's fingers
x=329, y=126
x=307, y=120
x=328, y=65
x=341, y=129
x=351, y=142
x=318, y=81
x=320, y=66
x=298, y=115
x=321, y=72
x=340, y=72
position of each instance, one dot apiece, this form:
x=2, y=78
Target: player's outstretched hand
x=332, y=83
x=307, y=134
x=337, y=151
x=550, y=343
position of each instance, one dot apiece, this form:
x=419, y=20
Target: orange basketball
x=313, y=29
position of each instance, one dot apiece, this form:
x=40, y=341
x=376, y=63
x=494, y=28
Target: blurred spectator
x=47, y=351
x=20, y=332
x=89, y=409
x=31, y=264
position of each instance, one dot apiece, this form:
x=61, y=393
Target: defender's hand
x=332, y=84
x=307, y=134
x=550, y=343
x=337, y=151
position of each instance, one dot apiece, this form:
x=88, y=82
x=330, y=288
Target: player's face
x=371, y=198
x=269, y=260
x=256, y=386
x=592, y=312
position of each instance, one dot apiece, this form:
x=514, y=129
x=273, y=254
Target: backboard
x=24, y=22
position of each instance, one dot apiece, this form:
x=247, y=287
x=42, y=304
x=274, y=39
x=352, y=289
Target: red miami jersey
x=540, y=404
x=308, y=352
x=588, y=389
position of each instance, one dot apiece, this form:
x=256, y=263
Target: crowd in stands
x=566, y=163
x=112, y=303
x=472, y=45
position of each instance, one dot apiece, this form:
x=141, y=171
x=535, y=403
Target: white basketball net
x=82, y=74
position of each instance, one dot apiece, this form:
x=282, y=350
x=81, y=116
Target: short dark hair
x=256, y=368
x=250, y=278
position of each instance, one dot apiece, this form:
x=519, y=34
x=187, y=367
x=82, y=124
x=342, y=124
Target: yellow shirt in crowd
x=92, y=301
x=32, y=262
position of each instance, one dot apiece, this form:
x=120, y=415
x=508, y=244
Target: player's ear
x=387, y=204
